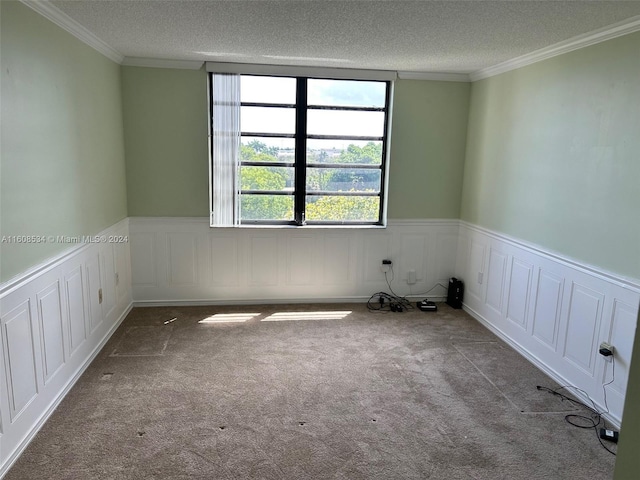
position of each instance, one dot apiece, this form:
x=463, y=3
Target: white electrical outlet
x=411, y=277
x=480, y=277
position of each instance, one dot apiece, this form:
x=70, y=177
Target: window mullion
x=301, y=150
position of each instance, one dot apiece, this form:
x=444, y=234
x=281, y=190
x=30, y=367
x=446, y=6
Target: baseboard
x=266, y=301
x=72, y=381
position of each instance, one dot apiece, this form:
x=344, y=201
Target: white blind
x=225, y=151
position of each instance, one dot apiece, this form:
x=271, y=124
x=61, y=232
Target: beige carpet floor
x=329, y=391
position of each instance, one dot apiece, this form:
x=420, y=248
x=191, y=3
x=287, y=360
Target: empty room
x=319, y=239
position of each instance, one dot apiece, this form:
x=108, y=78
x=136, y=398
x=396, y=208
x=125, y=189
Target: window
x=309, y=150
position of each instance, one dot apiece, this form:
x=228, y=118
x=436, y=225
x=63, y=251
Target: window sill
x=310, y=227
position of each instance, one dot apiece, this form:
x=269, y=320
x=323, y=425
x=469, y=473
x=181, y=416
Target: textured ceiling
x=420, y=36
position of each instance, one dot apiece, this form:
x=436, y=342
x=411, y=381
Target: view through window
x=312, y=150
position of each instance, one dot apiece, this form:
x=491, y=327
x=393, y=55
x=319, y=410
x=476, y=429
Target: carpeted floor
x=310, y=392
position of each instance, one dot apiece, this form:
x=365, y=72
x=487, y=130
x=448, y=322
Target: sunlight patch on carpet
x=291, y=316
x=229, y=318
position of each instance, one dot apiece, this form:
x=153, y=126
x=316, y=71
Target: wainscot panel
x=554, y=310
x=184, y=261
x=54, y=319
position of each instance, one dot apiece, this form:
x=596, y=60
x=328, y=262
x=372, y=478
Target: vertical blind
x=225, y=150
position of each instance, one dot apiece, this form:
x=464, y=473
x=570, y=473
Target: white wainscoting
x=553, y=310
x=184, y=261
x=53, y=321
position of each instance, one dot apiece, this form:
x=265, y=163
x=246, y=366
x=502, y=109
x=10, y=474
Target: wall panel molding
x=182, y=259
x=518, y=293
x=76, y=308
x=270, y=265
x=52, y=325
x=496, y=278
x=582, y=327
x=299, y=264
x=20, y=358
x=548, y=305
x=557, y=313
x=94, y=291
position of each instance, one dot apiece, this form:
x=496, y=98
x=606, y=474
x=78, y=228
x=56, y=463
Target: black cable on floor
x=393, y=302
x=592, y=421
x=386, y=302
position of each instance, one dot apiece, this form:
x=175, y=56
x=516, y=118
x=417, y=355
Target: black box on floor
x=427, y=306
x=610, y=435
x=455, y=293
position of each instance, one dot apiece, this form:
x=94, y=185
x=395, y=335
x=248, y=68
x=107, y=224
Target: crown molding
x=162, y=63
x=438, y=76
x=609, y=32
x=57, y=16
x=625, y=27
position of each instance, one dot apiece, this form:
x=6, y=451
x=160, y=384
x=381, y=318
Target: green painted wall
x=166, y=142
x=62, y=156
x=428, y=141
x=165, y=116
x=553, y=155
